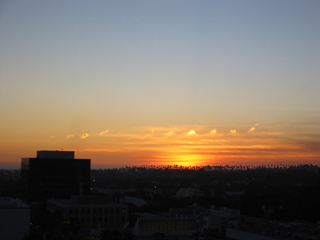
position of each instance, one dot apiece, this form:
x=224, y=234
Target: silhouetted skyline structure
x=54, y=174
x=230, y=202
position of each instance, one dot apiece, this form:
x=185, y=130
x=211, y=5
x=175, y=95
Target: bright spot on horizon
x=170, y=133
x=186, y=160
x=191, y=132
x=85, y=135
x=233, y=131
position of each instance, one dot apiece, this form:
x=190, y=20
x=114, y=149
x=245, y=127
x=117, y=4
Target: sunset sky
x=129, y=83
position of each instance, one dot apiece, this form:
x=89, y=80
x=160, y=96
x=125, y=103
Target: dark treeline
x=283, y=193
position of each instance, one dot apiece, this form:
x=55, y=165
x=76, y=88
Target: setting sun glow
x=129, y=83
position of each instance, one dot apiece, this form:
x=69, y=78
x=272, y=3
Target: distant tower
x=54, y=174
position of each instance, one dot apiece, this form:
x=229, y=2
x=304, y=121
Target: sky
x=131, y=83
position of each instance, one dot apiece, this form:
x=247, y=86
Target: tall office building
x=54, y=174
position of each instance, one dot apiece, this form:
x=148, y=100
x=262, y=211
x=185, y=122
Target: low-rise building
x=150, y=224
x=91, y=211
x=264, y=229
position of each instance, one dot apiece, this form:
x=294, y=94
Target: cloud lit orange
x=155, y=147
x=253, y=128
x=104, y=132
x=191, y=132
x=160, y=93
x=173, y=145
x=83, y=136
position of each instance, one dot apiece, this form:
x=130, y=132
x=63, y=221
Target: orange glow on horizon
x=182, y=146
x=181, y=160
x=199, y=146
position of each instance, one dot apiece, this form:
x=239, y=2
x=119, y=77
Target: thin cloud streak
x=253, y=128
x=70, y=136
x=104, y=132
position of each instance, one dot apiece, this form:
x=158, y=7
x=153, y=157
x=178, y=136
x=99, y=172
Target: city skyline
x=162, y=82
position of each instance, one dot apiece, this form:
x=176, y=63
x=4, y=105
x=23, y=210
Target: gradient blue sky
x=69, y=68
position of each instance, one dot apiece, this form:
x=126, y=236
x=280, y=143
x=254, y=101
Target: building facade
x=91, y=211
x=165, y=225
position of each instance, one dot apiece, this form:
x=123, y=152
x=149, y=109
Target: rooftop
x=55, y=154
x=70, y=203
x=10, y=203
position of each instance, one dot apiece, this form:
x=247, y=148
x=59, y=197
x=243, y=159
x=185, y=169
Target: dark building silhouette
x=54, y=174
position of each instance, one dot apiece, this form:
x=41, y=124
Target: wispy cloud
x=275, y=133
x=253, y=128
x=70, y=136
x=104, y=132
x=83, y=136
